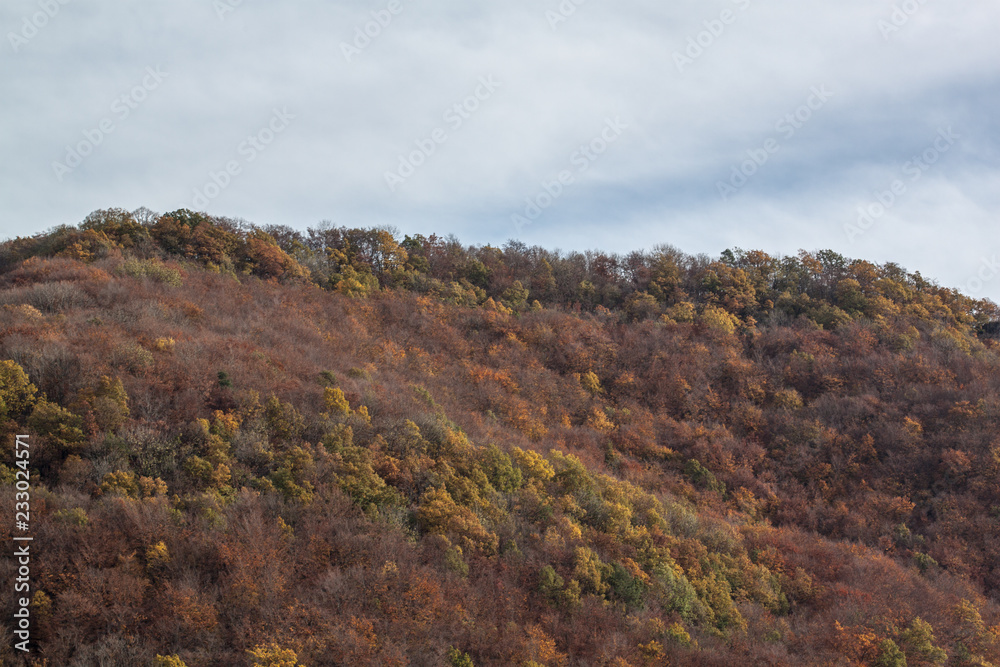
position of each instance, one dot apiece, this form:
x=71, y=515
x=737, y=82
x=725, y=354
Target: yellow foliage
x=788, y=398
x=17, y=394
x=225, y=425
x=41, y=603
x=913, y=427
x=588, y=570
x=121, y=483
x=542, y=648
x=272, y=655
x=335, y=402
x=124, y=483
x=164, y=344
x=716, y=318
x=599, y=421
x=652, y=651
x=533, y=464
x=150, y=487
x=362, y=413
x=157, y=555
x=682, y=312
x=168, y=661
x=678, y=634
x=591, y=383
x=439, y=513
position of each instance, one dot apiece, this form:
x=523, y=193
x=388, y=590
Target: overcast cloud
x=827, y=105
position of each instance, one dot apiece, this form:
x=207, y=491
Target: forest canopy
x=253, y=445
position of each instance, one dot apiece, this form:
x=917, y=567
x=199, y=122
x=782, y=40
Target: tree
x=272, y=655
x=17, y=394
x=890, y=655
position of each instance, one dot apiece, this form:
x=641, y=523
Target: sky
x=870, y=127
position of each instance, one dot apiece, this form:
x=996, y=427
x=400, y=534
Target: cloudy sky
x=868, y=126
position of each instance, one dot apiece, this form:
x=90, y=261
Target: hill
x=258, y=446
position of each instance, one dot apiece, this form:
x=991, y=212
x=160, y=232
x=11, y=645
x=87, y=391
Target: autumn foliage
x=258, y=446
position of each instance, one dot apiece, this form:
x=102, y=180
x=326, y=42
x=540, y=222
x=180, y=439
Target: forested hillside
x=256, y=446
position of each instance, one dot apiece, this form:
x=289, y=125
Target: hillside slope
x=251, y=445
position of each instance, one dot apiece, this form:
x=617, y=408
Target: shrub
x=718, y=319
x=703, y=477
x=890, y=655
x=788, y=399
x=283, y=420
x=109, y=403
x=455, y=561
x=679, y=635
x=17, y=394
x=591, y=383
x=683, y=312
x=457, y=658
x=157, y=556
x=52, y=297
x=500, y=470
x=359, y=374
x=75, y=516
x=152, y=269
x=917, y=641
x=168, y=661
x=438, y=513
x=290, y=477
x=625, y=586
x=533, y=465
x=164, y=344
x=335, y=402
x=132, y=357
x=550, y=584
x=121, y=483
x=61, y=426
x=272, y=655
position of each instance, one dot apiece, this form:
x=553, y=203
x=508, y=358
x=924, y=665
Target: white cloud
x=658, y=184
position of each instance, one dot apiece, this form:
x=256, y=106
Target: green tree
x=917, y=641
x=17, y=394
x=890, y=655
